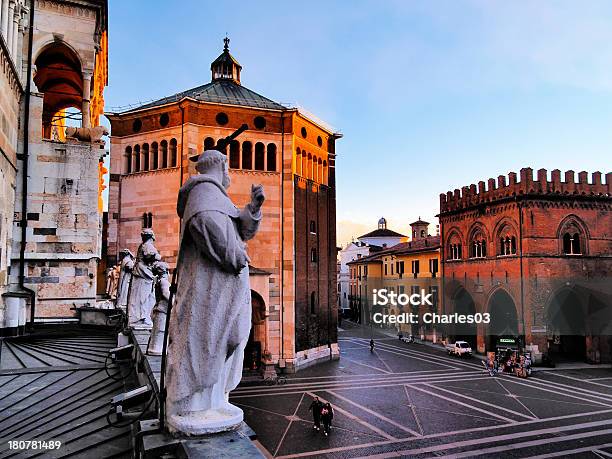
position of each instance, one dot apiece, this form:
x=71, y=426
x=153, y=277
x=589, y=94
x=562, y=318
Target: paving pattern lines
x=432, y=359
x=437, y=444
x=390, y=382
x=587, y=382
x=436, y=356
x=474, y=448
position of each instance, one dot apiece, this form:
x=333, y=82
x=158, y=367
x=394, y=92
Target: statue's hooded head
x=147, y=234
x=160, y=268
x=214, y=164
x=126, y=253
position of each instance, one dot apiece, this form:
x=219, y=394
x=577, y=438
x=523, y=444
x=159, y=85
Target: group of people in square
x=322, y=413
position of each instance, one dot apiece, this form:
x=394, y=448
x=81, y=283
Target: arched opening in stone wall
x=257, y=337
x=127, y=160
x=234, y=156
x=566, y=326
x=154, y=156
x=164, y=153
x=260, y=156
x=504, y=319
x=271, y=157
x=173, y=153
x=145, y=157
x=247, y=155
x=60, y=78
x=464, y=304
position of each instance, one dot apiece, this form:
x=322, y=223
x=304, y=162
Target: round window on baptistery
x=319, y=141
x=137, y=125
x=164, y=119
x=259, y=122
x=222, y=119
x=304, y=133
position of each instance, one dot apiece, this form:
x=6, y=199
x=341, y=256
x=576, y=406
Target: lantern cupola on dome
x=225, y=67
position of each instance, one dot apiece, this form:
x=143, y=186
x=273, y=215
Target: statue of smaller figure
x=162, y=296
x=141, y=297
x=125, y=277
x=112, y=280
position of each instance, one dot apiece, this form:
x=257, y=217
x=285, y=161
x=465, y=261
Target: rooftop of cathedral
x=225, y=88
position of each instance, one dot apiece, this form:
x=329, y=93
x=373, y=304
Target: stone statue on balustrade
x=141, y=298
x=112, y=281
x=211, y=317
x=125, y=277
x=162, y=296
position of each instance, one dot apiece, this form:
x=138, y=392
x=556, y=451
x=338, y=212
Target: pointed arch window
x=478, y=246
x=571, y=243
x=313, y=303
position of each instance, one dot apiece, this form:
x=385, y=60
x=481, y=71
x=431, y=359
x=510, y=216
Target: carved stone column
x=3, y=15
x=86, y=122
x=15, y=38
x=8, y=36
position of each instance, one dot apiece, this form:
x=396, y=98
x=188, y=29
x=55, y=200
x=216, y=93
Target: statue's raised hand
x=257, y=196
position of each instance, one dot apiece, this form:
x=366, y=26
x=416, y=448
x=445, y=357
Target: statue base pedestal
x=237, y=444
x=223, y=419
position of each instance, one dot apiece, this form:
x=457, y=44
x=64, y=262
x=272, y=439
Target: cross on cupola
x=225, y=67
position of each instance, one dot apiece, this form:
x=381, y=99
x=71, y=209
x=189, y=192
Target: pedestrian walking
x=316, y=407
x=327, y=414
x=372, y=345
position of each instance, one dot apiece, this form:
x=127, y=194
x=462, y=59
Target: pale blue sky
x=430, y=95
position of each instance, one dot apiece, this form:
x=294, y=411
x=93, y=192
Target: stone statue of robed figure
x=211, y=317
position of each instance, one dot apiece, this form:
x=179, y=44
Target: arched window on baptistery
x=298, y=162
x=247, y=155
x=173, y=153
x=234, y=155
x=145, y=157
x=164, y=153
x=127, y=165
x=154, y=156
x=271, y=157
x=260, y=156
x=136, y=156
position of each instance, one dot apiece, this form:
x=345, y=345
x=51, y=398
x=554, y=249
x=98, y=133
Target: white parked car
x=459, y=349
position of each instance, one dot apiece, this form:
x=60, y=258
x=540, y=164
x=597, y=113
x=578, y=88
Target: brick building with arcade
x=289, y=152
x=536, y=253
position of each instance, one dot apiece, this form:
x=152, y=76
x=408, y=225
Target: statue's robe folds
x=212, y=313
x=127, y=264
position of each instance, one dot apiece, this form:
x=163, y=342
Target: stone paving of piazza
x=411, y=400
